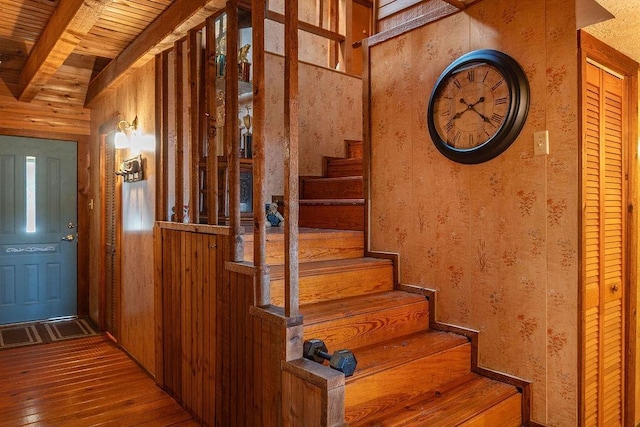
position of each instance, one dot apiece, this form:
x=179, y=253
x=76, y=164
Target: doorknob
x=614, y=287
x=69, y=238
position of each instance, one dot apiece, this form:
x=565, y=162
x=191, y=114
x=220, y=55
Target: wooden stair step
x=334, y=279
x=343, y=187
x=313, y=245
x=335, y=214
x=354, y=148
x=336, y=167
x=473, y=400
x=386, y=372
x=365, y=320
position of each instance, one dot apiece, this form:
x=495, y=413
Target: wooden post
x=263, y=297
x=162, y=134
x=212, y=110
x=179, y=161
x=194, y=118
x=231, y=129
x=291, y=157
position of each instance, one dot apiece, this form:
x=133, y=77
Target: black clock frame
x=518, y=85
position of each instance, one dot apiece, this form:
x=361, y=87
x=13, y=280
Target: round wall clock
x=478, y=106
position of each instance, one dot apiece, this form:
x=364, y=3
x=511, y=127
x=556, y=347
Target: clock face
x=478, y=106
x=471, y=106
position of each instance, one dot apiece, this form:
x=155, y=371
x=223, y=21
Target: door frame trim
x=592, y=49
x=106, y=128
x=82, y=208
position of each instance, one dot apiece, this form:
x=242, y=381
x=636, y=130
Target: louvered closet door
x=604, y=190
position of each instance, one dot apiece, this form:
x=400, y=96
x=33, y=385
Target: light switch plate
x=541, y=143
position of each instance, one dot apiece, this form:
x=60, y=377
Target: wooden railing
x=223, y=351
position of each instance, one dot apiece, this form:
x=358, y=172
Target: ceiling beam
x=171, y=25
x=70, y=22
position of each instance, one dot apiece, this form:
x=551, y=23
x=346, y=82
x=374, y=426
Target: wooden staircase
x=409, y=372
x=336, y=199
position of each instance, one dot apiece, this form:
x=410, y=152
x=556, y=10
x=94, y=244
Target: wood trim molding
x=594, y=49
x=437, y=14
x=195, y=228
x=309, y=28
x=472, y=335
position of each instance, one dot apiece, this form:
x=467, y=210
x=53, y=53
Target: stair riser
x=312, y=249
x=337, y=284
x=340, y=217
x=347, y=188
x=374, y=393
x=370, y=328
x=354, y=149
x=507, y=413
x=336, y=169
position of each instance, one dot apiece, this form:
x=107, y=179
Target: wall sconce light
x=121, y=140
x=131, y=169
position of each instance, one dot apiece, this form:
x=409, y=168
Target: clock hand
x=484, y=118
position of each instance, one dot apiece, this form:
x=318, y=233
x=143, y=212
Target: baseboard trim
x=522, y=385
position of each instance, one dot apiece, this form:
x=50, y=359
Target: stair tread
x=346, y=160
x=322, y=267
x=404, y=349
x=335, y=202
x=332, y=178
x=453, y=404
x=277, y=233
x=357, y=305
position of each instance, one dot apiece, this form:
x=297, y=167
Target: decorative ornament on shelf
x=244, y=66
x=274, y=218
x=247, y=137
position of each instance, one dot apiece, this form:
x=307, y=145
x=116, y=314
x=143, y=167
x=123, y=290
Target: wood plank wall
x=49, y=117
x=188, y=297
x=218, y=355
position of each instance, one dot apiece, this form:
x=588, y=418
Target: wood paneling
x=160, y=35
x=47, y=117
x=315, y=394
x=72, y=20
x=220, y=356
x=187, y=300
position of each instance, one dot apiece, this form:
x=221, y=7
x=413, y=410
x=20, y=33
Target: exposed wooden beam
x=172, y=25
x=68, y=24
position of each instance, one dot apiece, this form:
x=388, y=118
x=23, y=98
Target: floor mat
x=19, y=335
x=68, y=329
x=25, y=334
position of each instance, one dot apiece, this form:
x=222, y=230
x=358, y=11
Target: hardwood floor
x=83, y=382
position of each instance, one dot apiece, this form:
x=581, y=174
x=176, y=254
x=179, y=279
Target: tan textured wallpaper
x=498, y=240
x=330, y=112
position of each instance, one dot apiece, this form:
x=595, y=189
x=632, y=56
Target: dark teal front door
x=38, y=224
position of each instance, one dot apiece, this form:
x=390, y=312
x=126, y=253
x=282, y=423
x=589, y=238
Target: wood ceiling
x=70, y=51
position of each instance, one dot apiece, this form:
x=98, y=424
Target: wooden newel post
x=263, y=296
x=291, y=156
x=232, y=141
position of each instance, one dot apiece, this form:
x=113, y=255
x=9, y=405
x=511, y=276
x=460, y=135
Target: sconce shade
x=121, y=141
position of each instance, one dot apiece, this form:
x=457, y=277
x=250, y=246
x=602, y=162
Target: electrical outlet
x=541, y=143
